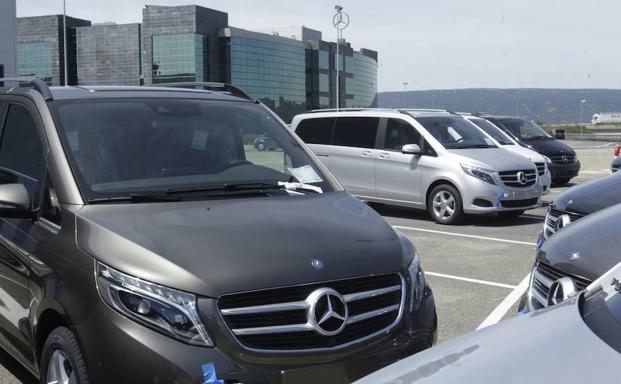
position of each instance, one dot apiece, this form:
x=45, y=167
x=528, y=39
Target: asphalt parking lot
x=477, y=270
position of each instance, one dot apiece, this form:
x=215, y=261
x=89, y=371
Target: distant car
x=565, y=164
x=426, y=159
x=579, y=253
x=265, y=143
x=616, y=162
x=559, y=134
x=577, y=341
x=505, y=141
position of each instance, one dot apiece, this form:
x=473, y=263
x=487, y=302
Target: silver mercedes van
x=428, y=159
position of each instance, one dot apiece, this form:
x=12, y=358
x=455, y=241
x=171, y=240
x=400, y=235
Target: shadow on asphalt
x=470, y=220
x=21, y=374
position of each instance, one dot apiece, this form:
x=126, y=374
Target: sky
x=431, y=44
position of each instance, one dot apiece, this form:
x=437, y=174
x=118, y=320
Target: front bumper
x=119, y=350
x=545, y=181
x=480, y=197
x=564, y=171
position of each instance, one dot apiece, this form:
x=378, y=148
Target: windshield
x=124, y=146
x=492, y=130
x=524, y=129
x=455, y=132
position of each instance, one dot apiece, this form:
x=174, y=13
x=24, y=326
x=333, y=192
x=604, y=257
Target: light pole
x=65, y=40
x=581, y=117
x=340, y=22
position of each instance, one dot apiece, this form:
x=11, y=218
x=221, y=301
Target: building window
x=271, y=71
x=35, y=59
x=324, y=60
x=180, y=57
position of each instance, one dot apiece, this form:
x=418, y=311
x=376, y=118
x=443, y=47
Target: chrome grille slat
x=375, y=306
x=368, y=315
x=541, y=168
x=552, y=216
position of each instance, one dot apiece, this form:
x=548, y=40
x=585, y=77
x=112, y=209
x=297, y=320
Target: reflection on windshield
x=525, y=129
x=126, y=146
x=493, y=131
x=455, y=132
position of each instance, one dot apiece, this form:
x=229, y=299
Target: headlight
x=486, y=175
x=415, y=272
x=164, y=309
x=548, y=160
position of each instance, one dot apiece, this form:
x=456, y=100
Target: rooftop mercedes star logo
x=327, y=312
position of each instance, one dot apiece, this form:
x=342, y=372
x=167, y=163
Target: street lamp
x=581, y=117
x=405, y=85
x=340, y=22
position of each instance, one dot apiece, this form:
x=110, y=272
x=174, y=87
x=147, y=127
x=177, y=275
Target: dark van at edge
x=578, y=255
x=142, y=242
x=564, y=162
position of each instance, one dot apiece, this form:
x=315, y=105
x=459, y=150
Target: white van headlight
x=486, y=175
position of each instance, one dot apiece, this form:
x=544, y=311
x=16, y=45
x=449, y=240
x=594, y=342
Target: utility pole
x=340, y=22
x=65, y=41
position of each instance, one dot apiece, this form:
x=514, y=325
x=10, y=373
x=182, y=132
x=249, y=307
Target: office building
x=290, y=70
x=7, y=38
x=41, y=48
x=109, y=54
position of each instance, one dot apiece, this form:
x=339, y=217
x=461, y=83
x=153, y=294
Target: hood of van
x=528, y=153
x=496, y=159
x=581, y=198
x=213, y=247
x=549, y=147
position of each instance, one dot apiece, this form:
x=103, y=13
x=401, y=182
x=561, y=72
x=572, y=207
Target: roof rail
x=428, y=110
x=35, y=83
x=351, y=110
x=208, y=85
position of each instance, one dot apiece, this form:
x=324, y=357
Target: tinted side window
x=20, y=148
x=357, y=132
x=400, y=133
x=316, y=131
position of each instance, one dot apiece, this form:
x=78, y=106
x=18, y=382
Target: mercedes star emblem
x=561, y=290
x=327, y=312
x=521, y=177
x=561, y=222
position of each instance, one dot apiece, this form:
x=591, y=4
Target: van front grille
x=286, y=319
x=543, y=277
x=519, y=178
x=541, y=168
x=552, y=224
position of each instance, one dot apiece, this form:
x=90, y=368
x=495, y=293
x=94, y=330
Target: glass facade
x=363, y=85
x=273, y=72
x=35, y=59
x=180, y=57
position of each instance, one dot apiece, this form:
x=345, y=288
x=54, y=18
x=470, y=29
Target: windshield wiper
x=478, y=146
x=245, y=188
x=134, y=198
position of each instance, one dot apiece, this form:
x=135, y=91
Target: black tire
x=561, y=182
x=456, y=205
x=511, y=214
x=61, y=342
x=260, y=147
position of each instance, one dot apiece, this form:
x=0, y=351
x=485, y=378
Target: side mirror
x=411, y=149
x=15, y=201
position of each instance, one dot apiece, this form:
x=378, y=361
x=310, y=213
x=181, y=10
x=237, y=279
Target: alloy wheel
x=443, y=205
x=60, y=370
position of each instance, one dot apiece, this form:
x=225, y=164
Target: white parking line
x=469, y=280
x=499, y=312
x=598, y=172
x=464, y=235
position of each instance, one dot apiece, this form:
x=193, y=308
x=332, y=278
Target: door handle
x=367, y=153
x=384, y=155
x=322, y=155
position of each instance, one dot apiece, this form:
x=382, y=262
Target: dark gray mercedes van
x=144, y=239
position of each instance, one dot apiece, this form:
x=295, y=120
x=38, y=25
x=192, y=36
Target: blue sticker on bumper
x=209, y=374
